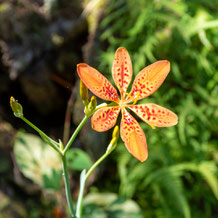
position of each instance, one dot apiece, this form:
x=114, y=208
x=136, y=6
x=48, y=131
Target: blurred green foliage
x=38, y=161
x=103, y=205
x=42, y=164
x=78, y=159
x=179, y=179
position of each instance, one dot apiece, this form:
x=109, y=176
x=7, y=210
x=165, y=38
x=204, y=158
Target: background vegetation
x=38, y=61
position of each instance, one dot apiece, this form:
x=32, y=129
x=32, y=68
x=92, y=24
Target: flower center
x=122, y=103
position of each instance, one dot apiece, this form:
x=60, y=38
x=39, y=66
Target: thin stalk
x=80, y=197
x=96, y=164
x=50, y=141
x=80, y=126
x=75, y=134
x=67, y=186
x=83, y=179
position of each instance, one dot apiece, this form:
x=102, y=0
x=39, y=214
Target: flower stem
x=75, y=134
x=67, y=186
x=47, y=139
x=80, y=197
x=96, y=164
x=80, y=126
x=84, y=176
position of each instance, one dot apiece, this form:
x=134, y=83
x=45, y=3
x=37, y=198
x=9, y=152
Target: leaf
x=78, y=159
x=208, y=171
x=52, y=181
x=38, y=161
x=112, y=205
x=169, y=182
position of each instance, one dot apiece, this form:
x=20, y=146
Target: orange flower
x=146, y=83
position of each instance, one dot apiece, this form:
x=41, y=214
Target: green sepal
x=16, y=107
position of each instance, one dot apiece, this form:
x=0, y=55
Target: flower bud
x=93, y=103
x=113, y=142
x=16, y=107
x=116, y=133
x=84, y=93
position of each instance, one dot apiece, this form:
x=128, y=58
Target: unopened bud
x=113, y=142
x=16, y=107
x=93, y=103
x=84, y=93
x=115, y=133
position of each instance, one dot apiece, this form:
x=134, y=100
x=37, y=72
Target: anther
x=137, y=98
x=129, y=96
x=151, y=125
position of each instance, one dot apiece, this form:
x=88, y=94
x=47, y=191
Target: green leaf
x=208, y=170
x=110, y=205
x=52, y=181
x=78, y=159
x=38, y=161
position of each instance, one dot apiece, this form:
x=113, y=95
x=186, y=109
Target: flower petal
x=97, y=83
x=122, y=70
x=155, y=114
x=105, y=118
x=133, y=136
x=149, y=80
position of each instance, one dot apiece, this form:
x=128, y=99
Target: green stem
x=83, y=179
x=67, y=186
x=80, y=126
x=100, y=106
x=96, y=164
x=50, y=141
x=80, y=197
x=75, y=134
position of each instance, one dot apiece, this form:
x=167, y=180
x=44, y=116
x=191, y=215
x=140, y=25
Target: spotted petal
x=122, y=70
x=133, y=136
x=105, y=118
x=149, y=80
x=97, y=83
x=155, y=115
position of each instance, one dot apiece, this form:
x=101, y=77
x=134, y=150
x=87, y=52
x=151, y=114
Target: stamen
x=135, y=101
x=151, y=125
x=129, y=96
